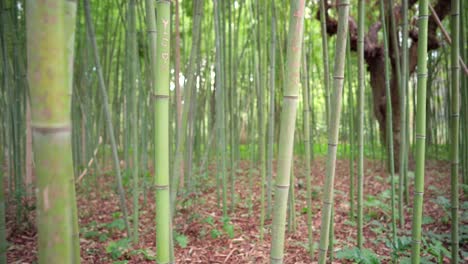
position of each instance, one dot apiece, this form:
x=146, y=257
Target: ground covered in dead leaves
x=204, y=236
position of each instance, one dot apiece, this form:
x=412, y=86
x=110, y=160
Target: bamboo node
x=416, y=241
x=161, y=187
x=282, y=186
x=338, y=77
x=419, y=136
x=277, y=259
x=423, y=75
x=51, y=130
x=423, y=17
x=155, y=97
x=290, y=97
x=418, y=193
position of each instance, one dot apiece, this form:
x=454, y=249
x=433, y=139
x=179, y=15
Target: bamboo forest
x=233, y=131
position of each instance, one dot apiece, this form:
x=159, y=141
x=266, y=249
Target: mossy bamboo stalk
x=70, y=23
x=51, y=127
x=420, y=135
x=287, y=125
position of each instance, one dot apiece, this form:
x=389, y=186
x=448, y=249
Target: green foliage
x=215, y=233
x=209, y=220
x=364, y=256
x=148, y=254
x=181, y=239
x=399, y=248
x=376, y=206
x=118, y=248
x=118, y=224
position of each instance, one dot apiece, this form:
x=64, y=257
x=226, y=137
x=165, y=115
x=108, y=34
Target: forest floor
x=204, y=236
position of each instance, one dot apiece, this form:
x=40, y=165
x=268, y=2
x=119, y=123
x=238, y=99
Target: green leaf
x=181, y=240
x=117, y=224
x=215, y=233
x=117, y=248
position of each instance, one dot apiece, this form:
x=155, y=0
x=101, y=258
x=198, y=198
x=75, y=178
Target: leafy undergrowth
x=203, y=235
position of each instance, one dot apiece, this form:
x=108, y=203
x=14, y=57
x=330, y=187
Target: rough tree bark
x=374, y=57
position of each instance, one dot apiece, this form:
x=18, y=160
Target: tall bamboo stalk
x=271, y=113
x=287, y=125
x=403, y=112
x=220, y=110
x=361, y=88
x=50, y=123
x=70, y=23
x=161, y=79
x=455, y=126
x=308, y=178
x=110, y=128
x=132, y=75
x=420, y=130
x=326, y=64
x=389, y=118
x=3, y=241
x=335, y=111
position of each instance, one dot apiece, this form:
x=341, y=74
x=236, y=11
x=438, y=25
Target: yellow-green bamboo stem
x=287, y=126
x=420, y=136
x=335, y=112
x=48, y=76
x=161, y=75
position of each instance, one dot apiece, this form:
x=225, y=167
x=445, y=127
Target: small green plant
x=364, y=256
x=148, y=254
x=118, y=224
x=181, y=239
x=215, y=233
x=118, y=248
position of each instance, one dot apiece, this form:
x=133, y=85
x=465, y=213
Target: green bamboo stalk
x=351, y=131
x=110, y=128
x=307, y=177
x=161, y=79
x=361, y=88
x=420, y=135
x=403, y=112
x=335, y=111
x=191, y=78
x=455, y=126
x=70, y=22
x=220, y=120
x=132, y=75
x=389, y=119
x=287, y=125
x=3, y=241
x=325, y=58
x=50, y=118
x=271, y=114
